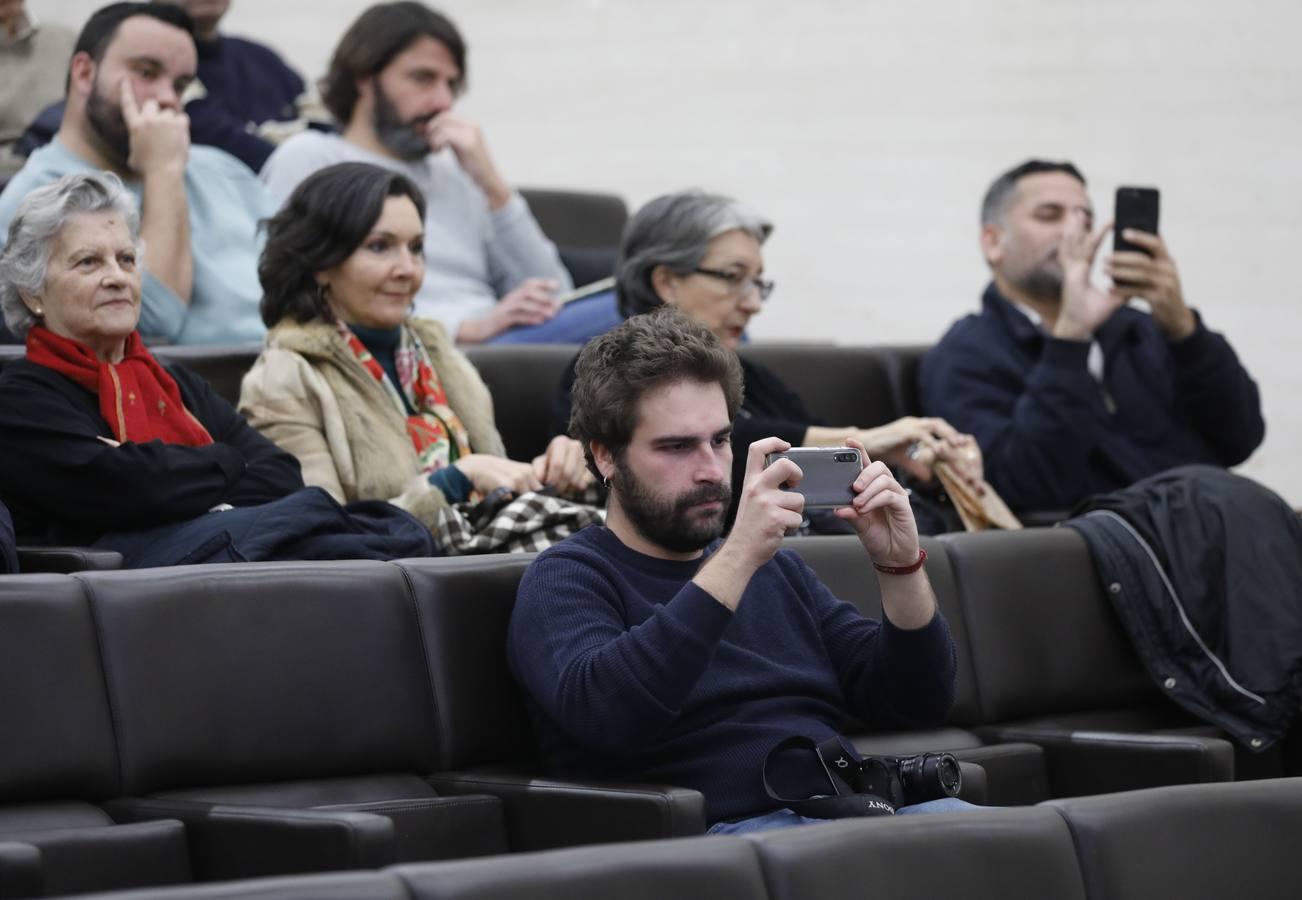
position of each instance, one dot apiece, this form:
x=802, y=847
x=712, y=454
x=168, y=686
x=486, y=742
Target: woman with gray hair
x=702, y=253
x=102, y=444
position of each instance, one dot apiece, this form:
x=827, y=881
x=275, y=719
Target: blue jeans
x=576, y=323
x=785, y=818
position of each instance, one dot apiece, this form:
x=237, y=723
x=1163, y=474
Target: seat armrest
x=1103, y=762
x=82, y=859
x=246, y=841
x=66, y=560
x=20, y=870
x=542, y=813
x=974, y=789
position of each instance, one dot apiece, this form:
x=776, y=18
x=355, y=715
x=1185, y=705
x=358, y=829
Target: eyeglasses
x=738, y=283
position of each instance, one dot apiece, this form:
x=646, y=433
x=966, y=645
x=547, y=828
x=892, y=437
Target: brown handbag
x=978, y=511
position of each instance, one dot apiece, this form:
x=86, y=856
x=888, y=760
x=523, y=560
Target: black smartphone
x=1136, y=208
x=828, y=474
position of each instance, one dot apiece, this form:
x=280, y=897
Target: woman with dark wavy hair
x=375, y=403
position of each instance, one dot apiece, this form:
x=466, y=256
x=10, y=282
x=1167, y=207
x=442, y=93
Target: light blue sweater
x=226, y=202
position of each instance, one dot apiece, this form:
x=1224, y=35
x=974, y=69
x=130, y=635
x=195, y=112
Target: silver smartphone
x=829, y=474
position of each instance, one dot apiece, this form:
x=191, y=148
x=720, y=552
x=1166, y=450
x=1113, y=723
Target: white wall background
x=869, y=131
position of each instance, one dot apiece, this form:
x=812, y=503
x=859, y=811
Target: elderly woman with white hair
x=703, y=253
x=104, y=445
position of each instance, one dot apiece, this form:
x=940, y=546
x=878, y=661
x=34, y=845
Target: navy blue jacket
x=64, y=485
x=1204, y=569
x=631, y=671
x=1052, y=435
x=246, y=85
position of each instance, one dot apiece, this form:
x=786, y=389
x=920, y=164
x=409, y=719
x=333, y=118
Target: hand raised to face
x=160, y=137
x=1085, y=306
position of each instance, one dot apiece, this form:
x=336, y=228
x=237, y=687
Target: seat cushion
x=994, y=853
x=1193, y=841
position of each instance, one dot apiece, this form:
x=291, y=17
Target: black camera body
x=868, y=785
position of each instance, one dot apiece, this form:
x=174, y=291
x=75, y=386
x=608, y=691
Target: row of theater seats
x=1204, y=842
x=219, y=722
x=863, y=386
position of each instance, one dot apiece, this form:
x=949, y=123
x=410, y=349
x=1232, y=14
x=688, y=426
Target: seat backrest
x=902, y=364
x=578, y=218
x=698, y=868
x=992, y=853
x=223, y=367
x=840, y=385
x=235, y=674
x=1236, y=839
x=840, y=563
x=464, y=606
x=523, y=379
x=1043, y=635
x=56, y=733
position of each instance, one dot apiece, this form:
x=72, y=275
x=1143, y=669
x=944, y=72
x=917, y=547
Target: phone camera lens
x=845, y=457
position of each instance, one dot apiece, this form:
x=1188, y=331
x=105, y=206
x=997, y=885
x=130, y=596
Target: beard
x=1044, y=282
x=667, y=522
x=405, y=139
x=107, y=126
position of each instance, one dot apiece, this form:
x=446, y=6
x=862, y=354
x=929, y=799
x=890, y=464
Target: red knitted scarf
x=137, y=397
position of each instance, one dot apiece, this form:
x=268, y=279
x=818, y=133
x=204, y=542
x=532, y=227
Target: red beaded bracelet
x=903, y=570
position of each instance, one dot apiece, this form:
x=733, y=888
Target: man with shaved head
x=1070, y=391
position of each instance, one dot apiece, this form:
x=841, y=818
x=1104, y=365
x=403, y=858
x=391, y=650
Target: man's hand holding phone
x=1150, y=274
x=764, y=516
x=1141, y=266
x=766, y=512
x=881, y=514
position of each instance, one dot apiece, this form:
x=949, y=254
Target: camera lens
x=845, y=457
x=930, y=776
x=950, y=775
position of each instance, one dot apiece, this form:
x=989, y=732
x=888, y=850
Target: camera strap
x=859, y=787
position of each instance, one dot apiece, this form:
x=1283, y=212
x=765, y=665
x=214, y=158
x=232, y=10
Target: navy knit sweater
x=630, y=671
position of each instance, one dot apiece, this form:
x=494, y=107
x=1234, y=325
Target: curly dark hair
x=321, y=224
x=617, y=369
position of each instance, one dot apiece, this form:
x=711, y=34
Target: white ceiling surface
x=868, y=133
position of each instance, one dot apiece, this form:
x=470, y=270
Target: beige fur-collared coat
x=308, y=393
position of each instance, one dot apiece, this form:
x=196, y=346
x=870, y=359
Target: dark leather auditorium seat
x=1196, y=842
